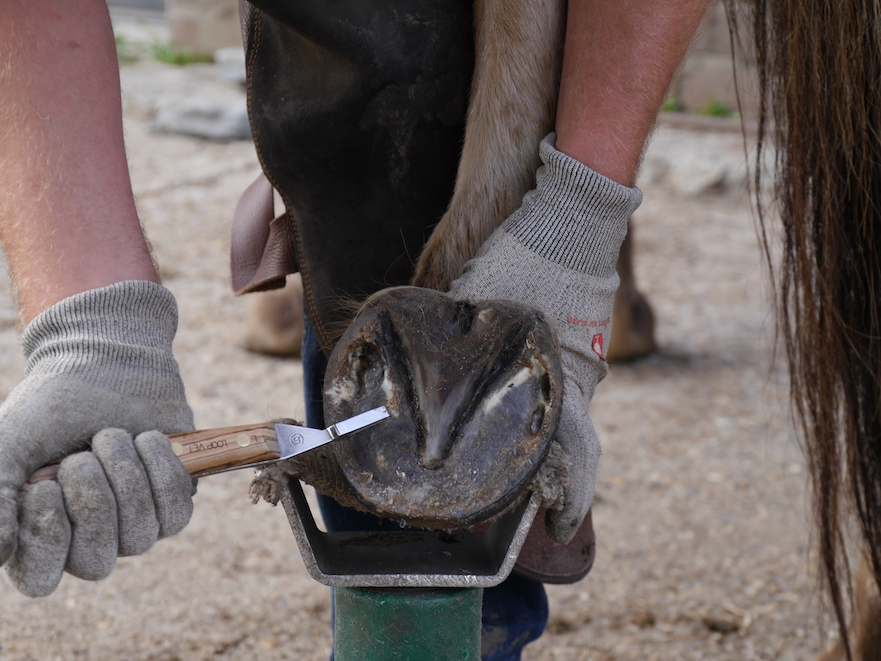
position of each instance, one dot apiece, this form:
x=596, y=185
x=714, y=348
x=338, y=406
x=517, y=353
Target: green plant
x=672, y=104
x=716, y=108
x=127, y=51
x=179, y=56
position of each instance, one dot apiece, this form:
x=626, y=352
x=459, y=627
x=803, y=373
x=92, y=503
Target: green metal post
x=407, y=624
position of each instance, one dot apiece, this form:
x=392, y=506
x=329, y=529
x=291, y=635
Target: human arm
x=98, y=328
x=68, y=220
x=67, y=214
x=619, y=61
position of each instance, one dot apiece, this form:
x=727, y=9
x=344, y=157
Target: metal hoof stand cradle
x=408, y=594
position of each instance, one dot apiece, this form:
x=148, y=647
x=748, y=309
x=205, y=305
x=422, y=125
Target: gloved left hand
x=100, y=377
x=558, y=253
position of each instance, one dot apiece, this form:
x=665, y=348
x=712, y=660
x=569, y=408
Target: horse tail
x=819, y=65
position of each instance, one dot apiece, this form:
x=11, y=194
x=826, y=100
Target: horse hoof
x=474, y=394
x=633, y=322
x=633, y=327
x=274, y=324
x=864, y=630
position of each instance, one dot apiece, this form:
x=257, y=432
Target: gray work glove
x=558, y=253
x=99, y=370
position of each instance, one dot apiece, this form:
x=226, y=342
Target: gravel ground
x=703, y=547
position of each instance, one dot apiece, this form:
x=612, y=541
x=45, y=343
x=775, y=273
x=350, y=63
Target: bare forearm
x=619, y=60
x=67, y=215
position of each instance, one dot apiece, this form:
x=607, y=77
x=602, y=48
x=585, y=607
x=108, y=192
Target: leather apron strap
x=261, y=246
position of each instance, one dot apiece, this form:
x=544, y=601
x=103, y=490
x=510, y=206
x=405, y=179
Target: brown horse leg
x=633, y=322
x=512, y=106
x=865, y=628
x=274, y=324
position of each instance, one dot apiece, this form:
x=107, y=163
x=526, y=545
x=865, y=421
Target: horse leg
x=511, y=108
x=274, y=323
x=867, y=616
x=865, y=627
x=633, y=322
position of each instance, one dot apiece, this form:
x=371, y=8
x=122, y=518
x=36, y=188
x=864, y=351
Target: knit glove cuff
x=574, y=217
x=119, y=335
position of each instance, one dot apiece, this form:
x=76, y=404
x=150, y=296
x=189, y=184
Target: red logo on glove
x=597, y=346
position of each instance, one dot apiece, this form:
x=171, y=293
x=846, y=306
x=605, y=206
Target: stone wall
x=706, y=76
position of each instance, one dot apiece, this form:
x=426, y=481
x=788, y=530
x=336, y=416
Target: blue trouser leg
x=515, y=613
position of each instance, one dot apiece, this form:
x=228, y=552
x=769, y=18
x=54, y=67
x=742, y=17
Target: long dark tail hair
x=819, y=64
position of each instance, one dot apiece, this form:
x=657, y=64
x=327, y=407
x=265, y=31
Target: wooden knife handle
x=209, y=451
x=206, y=451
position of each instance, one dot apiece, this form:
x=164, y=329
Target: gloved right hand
x=99, y=370
x=558, y=252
